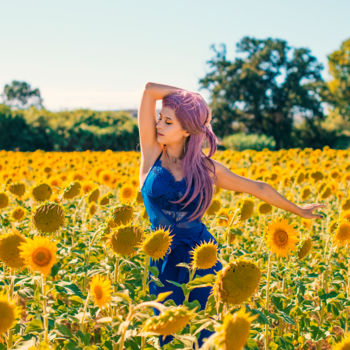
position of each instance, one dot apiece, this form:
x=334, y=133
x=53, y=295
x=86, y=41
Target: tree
x=339, y=87
x=20, y=95
x=264, y=88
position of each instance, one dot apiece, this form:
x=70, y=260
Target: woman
x=177, y=178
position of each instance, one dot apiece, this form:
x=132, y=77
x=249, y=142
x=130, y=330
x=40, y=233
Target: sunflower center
x=98, y=292
x=281, y=238
x=41, y=256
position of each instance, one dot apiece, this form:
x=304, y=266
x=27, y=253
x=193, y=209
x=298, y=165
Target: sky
x=100, y=54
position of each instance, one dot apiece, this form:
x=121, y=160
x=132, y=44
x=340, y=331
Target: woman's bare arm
x=147, y=115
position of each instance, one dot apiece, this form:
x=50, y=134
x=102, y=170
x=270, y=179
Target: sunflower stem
x=145, y=274
x=347, y=291
x=192, y=273
x=82, y=326
x=43, y=292
x=267, y=300
x=12, y=278
x=116, y=270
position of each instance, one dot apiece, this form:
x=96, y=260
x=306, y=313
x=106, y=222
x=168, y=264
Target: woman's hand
x=159, y=91
x=306, y=211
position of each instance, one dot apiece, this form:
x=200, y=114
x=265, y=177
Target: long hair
x=194, y=116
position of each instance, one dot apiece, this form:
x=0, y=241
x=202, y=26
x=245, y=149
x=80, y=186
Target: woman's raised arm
x=147, y=115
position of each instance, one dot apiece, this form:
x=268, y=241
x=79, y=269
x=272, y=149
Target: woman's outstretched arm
x=228, y=180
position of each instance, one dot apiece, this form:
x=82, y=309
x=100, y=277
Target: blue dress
x=157, y=191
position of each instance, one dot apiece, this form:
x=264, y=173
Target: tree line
x=269, y=89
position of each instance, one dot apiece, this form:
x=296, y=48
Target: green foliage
x=264, y=88
x=19, y=94
x=77, y=130
x=339, y=86
x=241, y=141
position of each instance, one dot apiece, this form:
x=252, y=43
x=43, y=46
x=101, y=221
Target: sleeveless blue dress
x=158, y=189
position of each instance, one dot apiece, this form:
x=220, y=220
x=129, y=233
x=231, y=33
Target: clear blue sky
x=100, y=54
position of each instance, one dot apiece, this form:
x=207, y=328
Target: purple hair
x=194, y=116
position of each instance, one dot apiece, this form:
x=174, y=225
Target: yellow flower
x=100, y=289
x=127, y=193
x=344, y=344
x=72, y=190
x=93, y=196
x=204, y=256
x=305, y=248
x=9, y=249
x=281, y=237
x=9, y=312
x=4, y=200
x=264, y=208
x=246, y=209
x=170, y=321
x=18, y=213
x=42, y=192
x=234, y=332
x=17, y=188
x=125, y=239
x=157, y=243
x=214, y=206
x=49, y=217
x=122, y=215
x=224, y=217
x=39, y=254
x=92, y=209
x=236, y=282
x=342, y=234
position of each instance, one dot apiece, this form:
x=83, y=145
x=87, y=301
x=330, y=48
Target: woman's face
x=169, y=130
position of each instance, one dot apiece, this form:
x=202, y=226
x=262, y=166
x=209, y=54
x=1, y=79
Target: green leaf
x=286, y=318
x=34, y=326
x=154, y=270
x=64, y=330
x=202, y=281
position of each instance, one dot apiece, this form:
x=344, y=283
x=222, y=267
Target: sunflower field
x=76, y=243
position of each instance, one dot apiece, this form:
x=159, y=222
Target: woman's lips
x=158, y=133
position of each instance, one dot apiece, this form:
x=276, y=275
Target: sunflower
x=204, y=256
x=342, y=234
x=4, y=200
x=125, y=239
x=264, y=208
x=92, y=209
x=345, y=215
x=42, y=192
x=139, y=198
x=49, y=217
x=122, y=215
x=127, y=193
x=236, y=282
x=234, y=332
x=93, y=196
x=9, y=249
x=224, y=216
x=170, y=321
x=18, y=213
x=246, y=209
x=305, y=193
x=106, y=177
x=100, y=289
x=345, y=204
x=9, y=312
x=39, y=253
x=105, y=199
x=72, y=190
x=305, y=248
x=214, y=206
x=157, y=244
x=17, y=188
x=344, y=344
x=281, y=237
